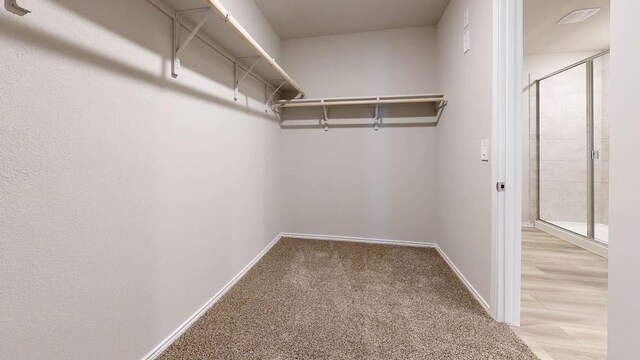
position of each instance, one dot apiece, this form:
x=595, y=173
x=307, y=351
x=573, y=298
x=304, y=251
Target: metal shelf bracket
x=270, y=99
x=178, y=47
x=376, y=116
x=236, y=81
x=440, y=110
x=325, y=119
x=266, y=98
x=13, y=7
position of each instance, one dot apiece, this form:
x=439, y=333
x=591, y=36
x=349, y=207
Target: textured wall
x=361, y=182
x=463, y=201
x=128, y=198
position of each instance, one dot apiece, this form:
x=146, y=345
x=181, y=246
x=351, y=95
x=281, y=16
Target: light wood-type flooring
x=564, y=299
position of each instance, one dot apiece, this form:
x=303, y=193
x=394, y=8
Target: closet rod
x=226, y=16
x=320, y=103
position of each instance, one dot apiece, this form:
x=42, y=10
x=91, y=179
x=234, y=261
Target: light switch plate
x=484, y=150
x=466, y=18
x=466, y=41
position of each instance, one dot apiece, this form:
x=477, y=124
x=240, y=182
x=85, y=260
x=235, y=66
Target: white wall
x=250, y=16
x=128, y=198
x=360, y=182
x=624, y=246
x=463, y=200
x=418, y=184
x=388, y=62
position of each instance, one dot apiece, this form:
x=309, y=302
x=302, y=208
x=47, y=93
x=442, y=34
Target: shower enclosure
x=573, y=148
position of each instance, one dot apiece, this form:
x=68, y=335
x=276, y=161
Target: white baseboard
x=467, y=284
x=527, y=225
x=574, y=239
x=192, y=319
x=358, y=239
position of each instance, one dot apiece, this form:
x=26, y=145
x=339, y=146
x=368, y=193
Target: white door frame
x=507, y=160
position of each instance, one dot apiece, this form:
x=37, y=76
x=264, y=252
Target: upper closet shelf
x=211, y=22
x=377, y=108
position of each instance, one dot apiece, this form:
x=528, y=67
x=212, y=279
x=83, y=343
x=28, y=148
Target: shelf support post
x=326, y=116
x=376, y=123
x=266, y=97
x=236, y=81
x=175, y=61
x=178, y=48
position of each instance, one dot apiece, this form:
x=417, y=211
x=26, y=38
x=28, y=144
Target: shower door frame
x=592, y=243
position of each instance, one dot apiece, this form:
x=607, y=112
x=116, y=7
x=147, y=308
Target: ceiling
x=306, y=18
x=542, y=34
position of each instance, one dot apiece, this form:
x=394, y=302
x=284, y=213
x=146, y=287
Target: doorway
x=565, y=118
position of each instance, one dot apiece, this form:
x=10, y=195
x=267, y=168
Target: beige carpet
x=309, y=299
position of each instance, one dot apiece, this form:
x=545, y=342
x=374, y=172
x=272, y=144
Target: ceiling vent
x=577, y=16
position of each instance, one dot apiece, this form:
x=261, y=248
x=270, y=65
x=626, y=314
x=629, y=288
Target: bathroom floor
x=564, y=299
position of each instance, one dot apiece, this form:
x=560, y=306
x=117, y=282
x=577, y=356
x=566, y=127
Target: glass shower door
x=601, y=147
x=572, y=112
x=563, y=150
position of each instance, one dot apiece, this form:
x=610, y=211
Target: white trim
x=507, y=160
x=467, y=284
x=497, y=162
x=527, y=225
x=577, y=240
x=443, y=255
x=192, y=319
x=358, y=239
